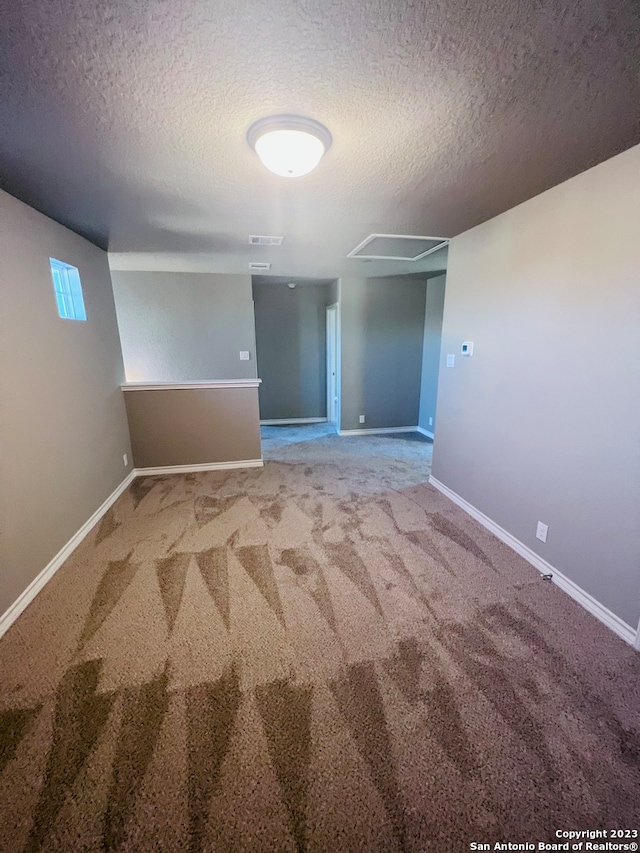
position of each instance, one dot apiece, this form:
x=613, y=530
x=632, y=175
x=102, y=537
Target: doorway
x=290, y=325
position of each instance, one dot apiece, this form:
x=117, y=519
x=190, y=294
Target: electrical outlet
x=125, y=459
x=541, y=531
x=361, y=419
x=451, y=360
x=244, y=355
x=430, y=421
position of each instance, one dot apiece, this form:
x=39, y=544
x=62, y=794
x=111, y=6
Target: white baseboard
x=626, y=632
x=25, y=598
x=292, y=421
x=191, y=469
x=426, y=432
x=377, y=431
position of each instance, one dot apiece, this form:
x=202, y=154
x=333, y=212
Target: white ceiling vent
x=397, y=247
x=257, y=265
x=260, y=240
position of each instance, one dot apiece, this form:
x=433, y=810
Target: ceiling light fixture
x=289, y=145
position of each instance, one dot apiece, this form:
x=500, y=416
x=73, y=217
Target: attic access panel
x=397, y=247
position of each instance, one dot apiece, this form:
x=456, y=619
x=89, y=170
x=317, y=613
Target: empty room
x=319, y=407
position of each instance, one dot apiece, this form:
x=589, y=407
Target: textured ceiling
x=126, y=119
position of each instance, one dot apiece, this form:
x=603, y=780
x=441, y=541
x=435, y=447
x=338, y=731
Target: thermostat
x=467, y=348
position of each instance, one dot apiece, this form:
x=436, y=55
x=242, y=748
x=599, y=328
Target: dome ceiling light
x=289, y=145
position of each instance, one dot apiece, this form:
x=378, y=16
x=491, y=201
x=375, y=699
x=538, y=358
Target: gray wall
x=382, y=329
x=542, y=422
x=185, y=326
x=431, y=352
x=63, y=426
x=291, y=346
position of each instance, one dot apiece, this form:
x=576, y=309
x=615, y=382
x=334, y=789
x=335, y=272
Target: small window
x=66, y=283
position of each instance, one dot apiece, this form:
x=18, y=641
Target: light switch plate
x=244, y=355
x=541, y=531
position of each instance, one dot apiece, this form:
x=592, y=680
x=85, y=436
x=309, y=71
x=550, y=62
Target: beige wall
x=180, y=327
x=193, y=426
x=543, y=421
x=63, y=427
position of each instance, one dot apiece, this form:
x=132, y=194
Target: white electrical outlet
x=361, y=419
x=125, y=459
x=430, y=421
x=244, y=355
x=451, y=360
x=541, y=531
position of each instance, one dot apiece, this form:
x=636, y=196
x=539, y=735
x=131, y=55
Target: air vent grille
x=256, y=265
x=397, y=247
x=261, y=240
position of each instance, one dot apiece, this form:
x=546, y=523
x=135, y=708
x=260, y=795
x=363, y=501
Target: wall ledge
x=191, y=386
x=588, y=602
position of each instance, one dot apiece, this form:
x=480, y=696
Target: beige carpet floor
x=321, y=655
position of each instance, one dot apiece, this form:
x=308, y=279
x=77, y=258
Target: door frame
x=333, y=364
